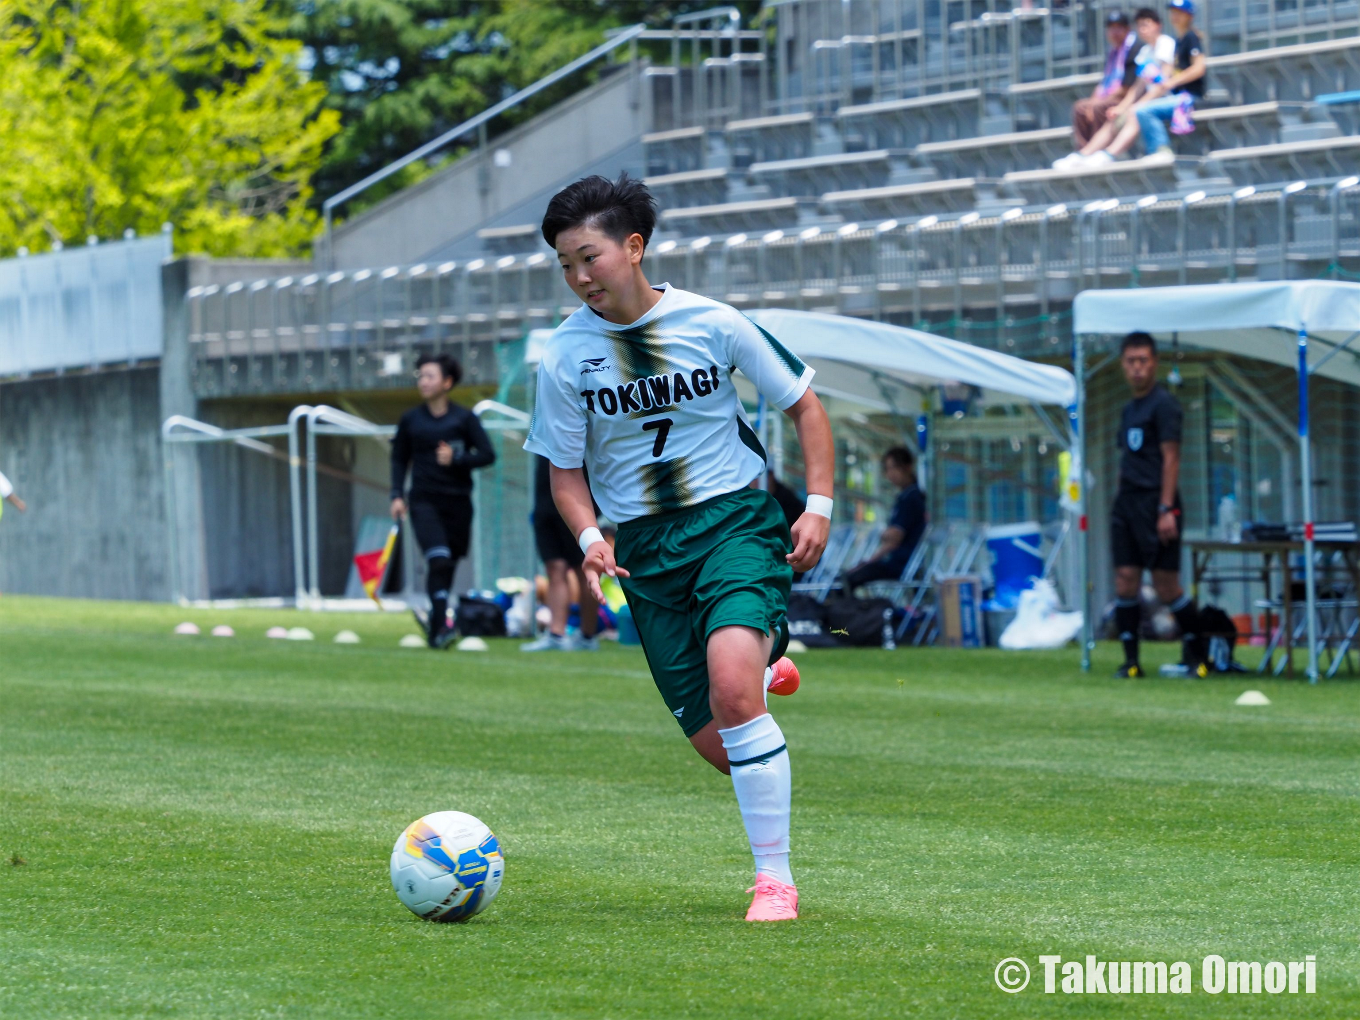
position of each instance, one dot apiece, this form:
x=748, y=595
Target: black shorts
x=442, y=524
x=1134, y=541
x=555, y=541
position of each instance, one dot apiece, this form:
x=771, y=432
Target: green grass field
x=204, y=826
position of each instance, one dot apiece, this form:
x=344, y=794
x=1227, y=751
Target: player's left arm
x=1168, y=528
x=813, y=425
x=478, y=451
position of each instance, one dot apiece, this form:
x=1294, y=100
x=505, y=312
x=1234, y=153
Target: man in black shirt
x=905, y=527
x=1145, y=522
x=441, y=442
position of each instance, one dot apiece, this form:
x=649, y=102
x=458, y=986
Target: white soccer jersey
x=650, y=408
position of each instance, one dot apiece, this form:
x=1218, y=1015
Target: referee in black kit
x=441, y=442
x=1145, y=522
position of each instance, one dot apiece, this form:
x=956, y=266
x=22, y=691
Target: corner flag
x=373, y=565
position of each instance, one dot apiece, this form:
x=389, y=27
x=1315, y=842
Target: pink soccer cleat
x=774, y=901
x=785, y=680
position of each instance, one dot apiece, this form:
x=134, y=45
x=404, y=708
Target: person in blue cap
x=1172, y=101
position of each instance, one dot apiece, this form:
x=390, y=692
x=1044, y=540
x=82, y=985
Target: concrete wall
x=578, y=135
x=194, y=577
x=84, y=451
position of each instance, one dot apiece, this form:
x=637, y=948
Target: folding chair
x=955, y=554
x=818, y=581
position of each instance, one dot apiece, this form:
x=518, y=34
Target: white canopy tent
x=855, y=356
x=1307, y=325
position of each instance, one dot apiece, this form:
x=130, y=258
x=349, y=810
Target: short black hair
x=447, y=363
x=901, y=456
x=619, y=208
x=1149, y=13
x=1138, y=339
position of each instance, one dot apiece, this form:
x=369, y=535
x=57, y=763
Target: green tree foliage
x=401, y=72
x=119, y=114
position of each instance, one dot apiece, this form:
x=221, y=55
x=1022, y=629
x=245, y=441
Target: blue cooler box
x=1016, y=561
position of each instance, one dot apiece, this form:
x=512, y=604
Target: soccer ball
x=447, y=866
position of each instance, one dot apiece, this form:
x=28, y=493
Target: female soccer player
x=441, y=442
x=637, y=385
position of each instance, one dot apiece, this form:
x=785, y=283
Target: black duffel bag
x=807, y=622
x=479, y=617
x=1216, y=639
x=860, y=622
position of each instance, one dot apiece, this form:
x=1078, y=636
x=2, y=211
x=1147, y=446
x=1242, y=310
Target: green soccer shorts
x=717, y=564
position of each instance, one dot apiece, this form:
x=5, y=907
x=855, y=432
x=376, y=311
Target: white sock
x=763, y=783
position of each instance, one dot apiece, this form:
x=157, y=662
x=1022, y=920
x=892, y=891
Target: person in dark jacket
x=440, y=442
x=905, y=527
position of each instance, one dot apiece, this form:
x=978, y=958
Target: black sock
x=439, y=612
x=1187, y=619
x=1128, y=617
x=439, y=577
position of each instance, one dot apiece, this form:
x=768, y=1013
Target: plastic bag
x=1039, y=623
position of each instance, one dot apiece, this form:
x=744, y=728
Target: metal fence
x=82, y=307
x=978, y=276
x=838, y=52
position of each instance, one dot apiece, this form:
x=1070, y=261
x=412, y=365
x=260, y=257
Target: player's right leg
x=428, y=525
x=758, y=761
x=1128, y=579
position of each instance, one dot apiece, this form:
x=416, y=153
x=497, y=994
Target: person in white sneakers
x=561, y=558
x=1121, y=73
x=638, y=385
x=1155, y=63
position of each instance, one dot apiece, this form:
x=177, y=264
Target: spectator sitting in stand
x=1173, y=99
x=905, y=527
x=1121, y=73
x=1121, y=130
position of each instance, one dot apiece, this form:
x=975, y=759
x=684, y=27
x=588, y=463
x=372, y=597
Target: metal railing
x=838, y=52
x=1026, y=260
x=82, y=307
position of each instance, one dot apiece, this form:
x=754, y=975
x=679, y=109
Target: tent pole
x=1306, y=471
x=1083, y=542
x=295, y=504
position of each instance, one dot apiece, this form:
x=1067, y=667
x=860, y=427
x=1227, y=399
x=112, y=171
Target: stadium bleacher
x=900, y=163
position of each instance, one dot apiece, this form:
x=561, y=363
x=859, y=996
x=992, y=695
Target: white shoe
x=1072, y=159
x=549, y=642
x=1096, y=159
x=578, y=642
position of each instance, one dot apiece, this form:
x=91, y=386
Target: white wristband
x=820, y=505
x=588, y=538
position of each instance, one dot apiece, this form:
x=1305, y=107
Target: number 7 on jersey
x=662, y=427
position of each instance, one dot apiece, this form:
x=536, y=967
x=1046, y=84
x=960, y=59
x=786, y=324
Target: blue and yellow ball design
x=447, y=866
